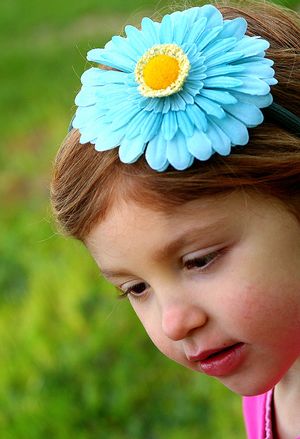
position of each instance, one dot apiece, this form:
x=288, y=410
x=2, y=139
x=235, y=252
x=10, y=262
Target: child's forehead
x=137, y=236
x=135, y=219
x=165, y=207
x=221, y=210
x=207, y=206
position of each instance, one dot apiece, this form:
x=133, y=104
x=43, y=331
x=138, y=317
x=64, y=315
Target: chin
x=246, y=387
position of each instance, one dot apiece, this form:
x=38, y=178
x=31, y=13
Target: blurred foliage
x=75, y=362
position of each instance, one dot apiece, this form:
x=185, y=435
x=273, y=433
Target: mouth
x=220, y=361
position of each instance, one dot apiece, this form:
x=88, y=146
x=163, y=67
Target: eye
x=136, y=290
x=201, y=262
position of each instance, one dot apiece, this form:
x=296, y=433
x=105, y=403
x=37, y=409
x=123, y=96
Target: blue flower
x=182, y=89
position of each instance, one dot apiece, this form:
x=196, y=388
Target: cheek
x=151, y=321
x=254, y=302
x=266, y=310
x=163, y=343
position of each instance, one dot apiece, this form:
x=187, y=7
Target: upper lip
x=203, y=355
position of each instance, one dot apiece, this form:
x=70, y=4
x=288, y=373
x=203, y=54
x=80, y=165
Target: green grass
x=75, y=362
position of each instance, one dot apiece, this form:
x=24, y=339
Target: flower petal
x=213, y=15
x=224, y=59
x=220, y=141
x=84, y=115
x=192, y=13
x=199, y=145
x=109, y=139
x=153, y=104
x=169, y=126
x=167, y=104
x=123, y=115
x=219, y=47
x=252, y=45
x=257, y=69
x=259, y=101
x=210, y=107
x=177, y=102
x=131, y=150
x=177, y=152
x=86, y=97
x=249, y=114
x=185, y=124
x=196, y=31
x=181, y=31
x=156, y=152
x=151, y=126
x=186, y=96
x=233, y=128
x=95, y=55
x=264, y=61
x=252, y=86
x=135, y=125
x=223, y=70
x=222, y=97
x=271, y=81
x=222, y=82
x=234, y=28
x=166, y=30
x=122, y=45
x=193, y=87
x=208, y=37
x=92, y=130
x=136, y=40
x=150, y=31
x=116, y=60
x=197, y=116
x=95, y=76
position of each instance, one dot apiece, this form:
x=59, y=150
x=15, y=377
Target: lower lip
x=225, y=362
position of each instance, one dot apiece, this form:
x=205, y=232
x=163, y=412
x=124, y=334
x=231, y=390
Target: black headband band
x=284, y=118
x=275, y=112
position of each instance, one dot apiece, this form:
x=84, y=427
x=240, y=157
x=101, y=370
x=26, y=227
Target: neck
x=287, y=403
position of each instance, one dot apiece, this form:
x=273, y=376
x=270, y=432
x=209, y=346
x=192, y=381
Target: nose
x=180, y=319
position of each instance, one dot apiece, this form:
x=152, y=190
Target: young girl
x=181, y=175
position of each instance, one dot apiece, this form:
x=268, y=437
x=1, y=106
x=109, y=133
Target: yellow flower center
x=162, y=70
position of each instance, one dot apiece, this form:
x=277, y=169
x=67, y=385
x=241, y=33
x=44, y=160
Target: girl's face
x=219, y=274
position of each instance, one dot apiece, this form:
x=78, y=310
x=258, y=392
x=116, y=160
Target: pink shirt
x=258, y=415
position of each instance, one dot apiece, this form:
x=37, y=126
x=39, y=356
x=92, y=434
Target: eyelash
x=188, y=266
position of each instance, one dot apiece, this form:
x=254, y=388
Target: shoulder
x=254, y=410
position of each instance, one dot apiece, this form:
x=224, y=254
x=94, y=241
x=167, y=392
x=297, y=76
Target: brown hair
x=86, y=182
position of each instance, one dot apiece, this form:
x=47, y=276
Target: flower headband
x=185, y=88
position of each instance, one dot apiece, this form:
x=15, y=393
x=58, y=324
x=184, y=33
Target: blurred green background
x=75, y=361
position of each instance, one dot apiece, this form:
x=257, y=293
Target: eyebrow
x=185, y=238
